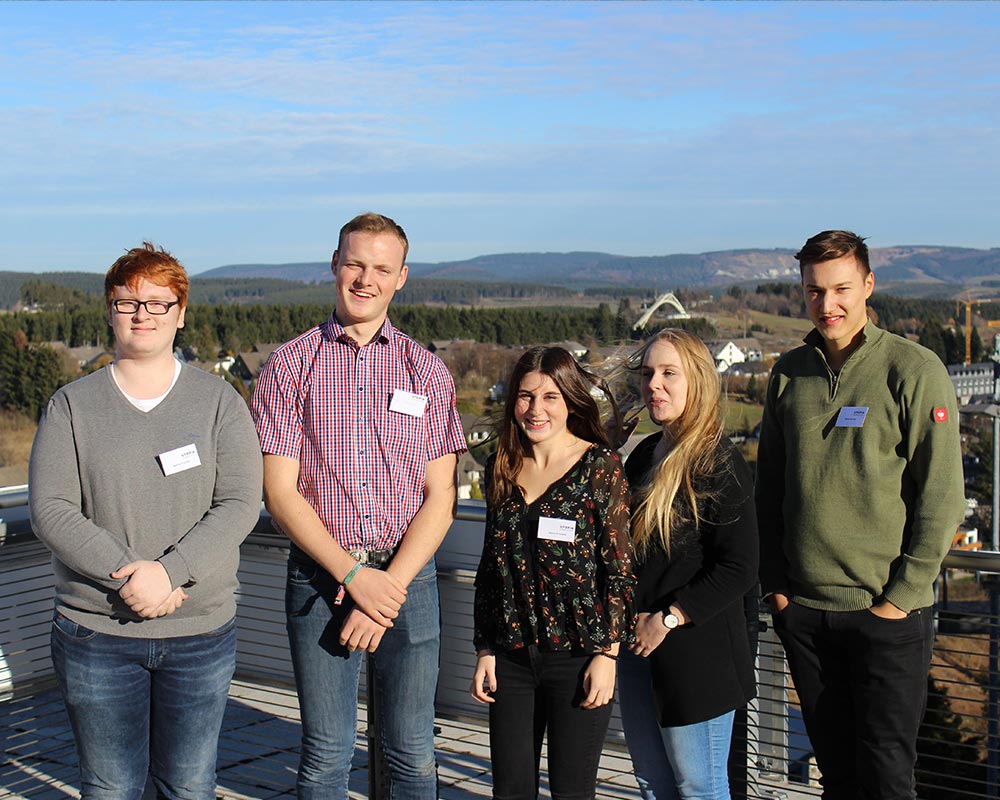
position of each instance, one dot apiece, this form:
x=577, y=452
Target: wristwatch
x=670, y=621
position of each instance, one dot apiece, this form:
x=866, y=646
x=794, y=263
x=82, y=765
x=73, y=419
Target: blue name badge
x=852, y=416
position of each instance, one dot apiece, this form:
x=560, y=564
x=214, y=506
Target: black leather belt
x=373, y=558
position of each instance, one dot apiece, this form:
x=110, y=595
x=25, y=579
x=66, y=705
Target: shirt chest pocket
x=405, y=435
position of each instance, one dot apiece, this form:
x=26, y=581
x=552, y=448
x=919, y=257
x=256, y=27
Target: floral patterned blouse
x=559, y=595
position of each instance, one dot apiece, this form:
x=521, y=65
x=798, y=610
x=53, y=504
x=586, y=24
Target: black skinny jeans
x=862, y=684
x=539, y=691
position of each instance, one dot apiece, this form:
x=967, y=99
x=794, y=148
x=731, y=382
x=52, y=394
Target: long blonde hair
x=676, y=486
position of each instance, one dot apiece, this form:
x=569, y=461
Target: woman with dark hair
x=554, y=590
x=695, y=534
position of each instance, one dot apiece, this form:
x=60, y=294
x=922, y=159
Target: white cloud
x=716, y=121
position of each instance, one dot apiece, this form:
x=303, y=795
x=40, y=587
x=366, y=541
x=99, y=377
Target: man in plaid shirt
x=360, y=436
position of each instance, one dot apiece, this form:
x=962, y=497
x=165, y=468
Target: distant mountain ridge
x=911, y=271
x=911, y=263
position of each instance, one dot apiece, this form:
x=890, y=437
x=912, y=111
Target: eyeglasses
x=155, y=307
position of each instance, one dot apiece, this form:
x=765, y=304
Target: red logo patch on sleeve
x=940, y=414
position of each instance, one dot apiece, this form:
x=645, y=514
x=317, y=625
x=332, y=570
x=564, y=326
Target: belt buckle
x=361, y=556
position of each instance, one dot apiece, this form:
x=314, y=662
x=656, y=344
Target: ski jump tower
x=668, y=298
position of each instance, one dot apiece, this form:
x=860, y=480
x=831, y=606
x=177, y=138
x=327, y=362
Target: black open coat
x=704, y=668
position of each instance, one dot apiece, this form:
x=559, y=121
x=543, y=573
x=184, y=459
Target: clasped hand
x=361, y=632
x=378, y=595
x=649, y=633
x=147, y=589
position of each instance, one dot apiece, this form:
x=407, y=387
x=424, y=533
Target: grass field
x=776, y=328
x=16, y=434
x=740, y=417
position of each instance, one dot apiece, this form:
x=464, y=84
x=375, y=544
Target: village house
x=477, y=429
x=247, y=365
x=440, y=346
x=734, y=351
x=470, y=474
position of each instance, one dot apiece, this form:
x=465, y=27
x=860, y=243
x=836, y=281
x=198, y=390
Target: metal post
x=994, y=536
x=771, y=707
x=743, y=750
x=993, y=734
x=993, y=700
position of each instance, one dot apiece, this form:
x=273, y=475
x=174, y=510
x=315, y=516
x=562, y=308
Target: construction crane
x=968, y=302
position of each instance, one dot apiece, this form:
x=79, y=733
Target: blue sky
x=249, y=132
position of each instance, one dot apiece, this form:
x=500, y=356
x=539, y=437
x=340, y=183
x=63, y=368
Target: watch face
x=670, y=620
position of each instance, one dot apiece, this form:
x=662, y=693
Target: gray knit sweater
x=100, y=499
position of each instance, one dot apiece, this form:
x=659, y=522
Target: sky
x=249, y=132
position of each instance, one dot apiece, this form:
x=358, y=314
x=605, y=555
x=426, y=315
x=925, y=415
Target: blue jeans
x=686, y=762
x=405, y=667
x=144, y=706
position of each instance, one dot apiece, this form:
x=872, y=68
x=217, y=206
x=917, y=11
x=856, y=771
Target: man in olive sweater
x=859, y=493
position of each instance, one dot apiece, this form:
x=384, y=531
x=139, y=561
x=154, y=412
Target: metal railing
x=959, y=744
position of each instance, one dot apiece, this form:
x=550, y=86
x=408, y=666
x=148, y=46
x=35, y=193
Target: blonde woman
x=695, y=536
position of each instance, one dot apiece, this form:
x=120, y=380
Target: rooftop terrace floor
x=258, y=751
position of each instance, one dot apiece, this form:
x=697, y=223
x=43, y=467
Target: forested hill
x=926, y=271
x=54, y=288
x=911, y=264
x=572, y=270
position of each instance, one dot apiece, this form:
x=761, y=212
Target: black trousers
x=862, y=684
x=538, y=692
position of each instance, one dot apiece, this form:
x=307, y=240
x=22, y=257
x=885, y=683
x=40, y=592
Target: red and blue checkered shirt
x=324, y=400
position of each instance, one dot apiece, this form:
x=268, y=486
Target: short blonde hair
x=370, y=222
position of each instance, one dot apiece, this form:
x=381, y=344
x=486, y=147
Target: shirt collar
x=869, y=335
x=336, y=332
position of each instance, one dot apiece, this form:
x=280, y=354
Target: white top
x=153, y=402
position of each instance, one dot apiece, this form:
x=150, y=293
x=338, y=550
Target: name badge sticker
x=559, y=530
x=180, y=459
x=403, y=402
x=852, y=416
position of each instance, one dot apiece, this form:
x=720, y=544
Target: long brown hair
x=575, y=384
x=675, y=489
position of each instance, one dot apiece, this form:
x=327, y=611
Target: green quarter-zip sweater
x=859, y=475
